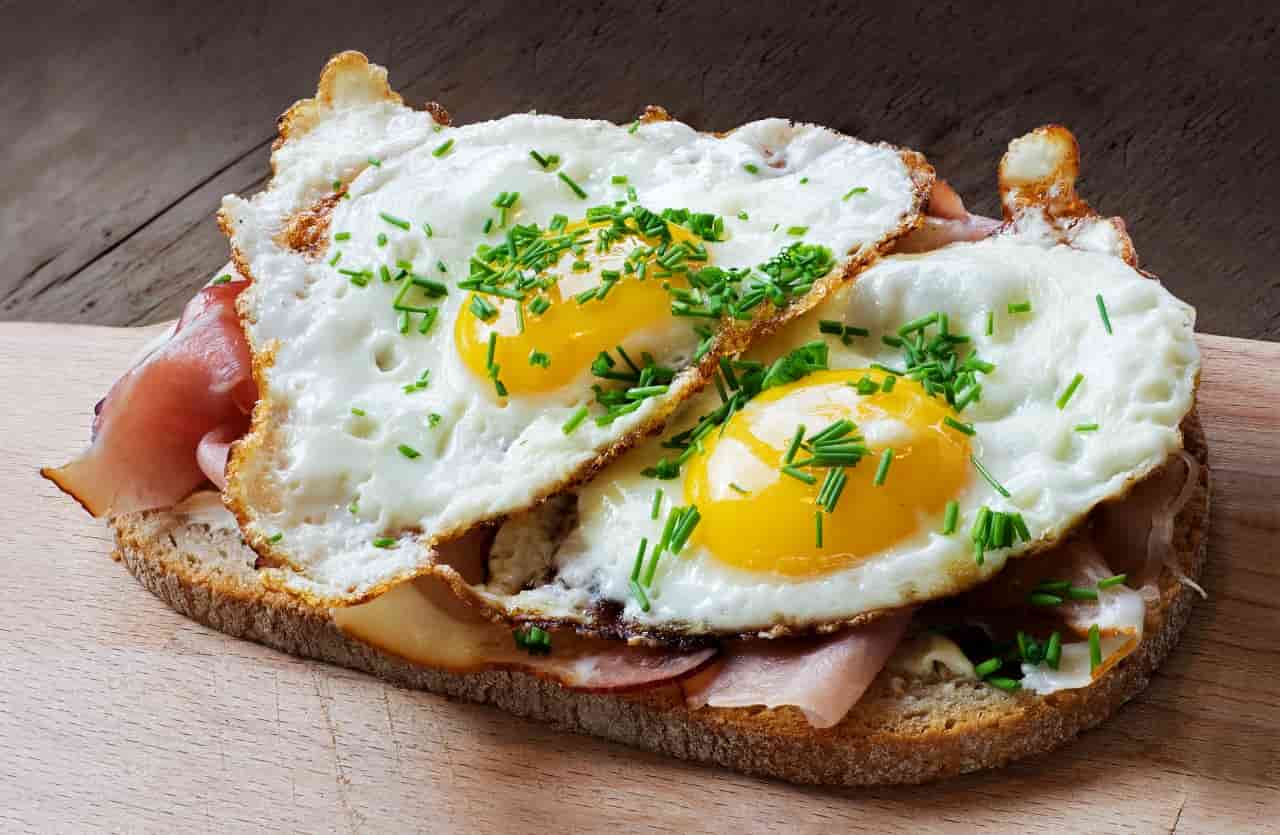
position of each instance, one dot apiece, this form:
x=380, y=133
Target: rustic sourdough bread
x=902, y=731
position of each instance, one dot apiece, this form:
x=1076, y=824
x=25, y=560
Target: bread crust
x=902, y=731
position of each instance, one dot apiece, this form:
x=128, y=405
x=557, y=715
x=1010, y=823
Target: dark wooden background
x=123, y=124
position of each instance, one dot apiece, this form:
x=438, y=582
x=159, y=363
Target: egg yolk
x=758, y=518
x=570, y=334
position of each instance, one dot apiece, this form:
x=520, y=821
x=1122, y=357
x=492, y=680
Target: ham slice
x=823, y=677
x=166, y=425
x=947, y=221
x=423, y=622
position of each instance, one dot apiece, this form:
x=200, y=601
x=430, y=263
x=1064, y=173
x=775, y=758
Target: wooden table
x=125, y=123
x=118, y=714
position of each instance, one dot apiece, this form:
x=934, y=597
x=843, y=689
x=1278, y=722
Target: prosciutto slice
x=167, y=423
x=946, y=222
x=423, y=622
x=824, y=677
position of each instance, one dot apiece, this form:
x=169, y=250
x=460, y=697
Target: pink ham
x=946, y=222
x=822, y=677
x=177, y=410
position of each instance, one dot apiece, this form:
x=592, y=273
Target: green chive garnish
x=433, y=420
x=426, y=227
x=1008, y=685
x=797, y=230
x=951, y=518
x=988, y=667
x=751, y=168
x=375, y=162
x=1071, y=389
x=817, y=521
x=799, y=475
x=1102, y=311
x=991, y=322
x=657, y=504
x=742, y=215
x=574, y=187
x=997, y=486
x=966, y=428
x=357, y=412
x=618, y=179
x=1095, y=648
x=738, y=489
x=1043, y=598
x=1053, y=650
x=443, y=149
x=639, y=561
x=382, y=241
x=342, y=236
x=635, y=126
x=888, y=383
x=574, y=420
x=1019, y=307
x=1078, y=593
x=1109, y=582
x=539, y=358
x=222, y=279
x=638, y=591
x=1086, y=427
x=540, y=159
x=383, y=542
x=882, y=472
x=275, y=537
x=394, y=221
x=855, y=190
x=408, y=451
x=333, y=262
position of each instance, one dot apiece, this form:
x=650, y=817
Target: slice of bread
x=902, y=731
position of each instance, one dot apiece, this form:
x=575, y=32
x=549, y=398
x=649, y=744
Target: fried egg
x=1030, y=381
x=451, y=323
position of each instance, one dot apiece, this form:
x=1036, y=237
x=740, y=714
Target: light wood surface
x=117, y=714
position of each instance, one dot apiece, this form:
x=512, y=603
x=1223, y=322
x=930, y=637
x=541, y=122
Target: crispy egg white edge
x=1139, y=383
x=485, y=459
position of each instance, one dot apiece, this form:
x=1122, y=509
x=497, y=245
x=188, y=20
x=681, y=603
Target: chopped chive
x=635, y=126
x=222, y=279
x=804, y=181
x=275, y=537
x=1071, y=389
x=638, y=591
x=539, y=305
x=408, y=451
x=488, y=225
x=493, y=345
x=751, y=168
x=737, y=489
x=1095, y=648
x=817, y=521
x=618, y=179
x=1086, y=427
x=402, y=321
x=333, y=262
x=428, y=319
x=997, y=486
x=657, y=504
x=426, y=227
x=1009, y=685
x=383, y=542
x=966, y=428
x=1078, y=593
x=375, y=162
x=999, y=536
x=981, y=524
x=882, y=472
x=357, y=412
x=481, y=308
x=382, y=241
x=742, y=215
x=951, y=518
x=1115, y=580
x=574, y=187
x=888, y=383
x=991, y=322
x=1019, y=307
x=539, y=358
x=394, y=221
x=917, y=324
x=443, y=149
x=988, y=667
x=441, y=267
x=540, y=159
x=1102, y=311
x=797, y=230
x=639, y=561
x=574, y=420
x=342, y=236
x=1020, y=525
x=794, y=447
x=855, y=190
x=1053, y=650
x=433, y=420
x=799, y=475
x=1044, y=598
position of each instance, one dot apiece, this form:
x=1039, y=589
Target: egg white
x=334, y=346
x=1139, y=382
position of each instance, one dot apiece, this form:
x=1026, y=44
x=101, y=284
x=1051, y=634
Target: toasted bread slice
x=902, y=731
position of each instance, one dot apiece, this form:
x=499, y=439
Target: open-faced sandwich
x=751, y=448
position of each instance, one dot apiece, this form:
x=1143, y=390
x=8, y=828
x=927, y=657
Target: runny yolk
x=755, y=517
x=572, y=334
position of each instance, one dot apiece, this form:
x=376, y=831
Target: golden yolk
x=757, y=518
x=570, y=334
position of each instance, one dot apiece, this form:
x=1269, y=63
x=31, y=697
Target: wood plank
x=116, y=713
x=125, y=127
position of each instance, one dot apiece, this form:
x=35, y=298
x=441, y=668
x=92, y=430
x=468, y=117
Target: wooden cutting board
x=118, y=714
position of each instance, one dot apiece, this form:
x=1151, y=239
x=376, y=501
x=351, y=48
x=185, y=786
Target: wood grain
x=126, y=122
x=118, y=714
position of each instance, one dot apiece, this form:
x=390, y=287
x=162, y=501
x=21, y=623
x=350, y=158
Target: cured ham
x=191, y=395
x=423, y=622
x=946, y=222
x=823, y=677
